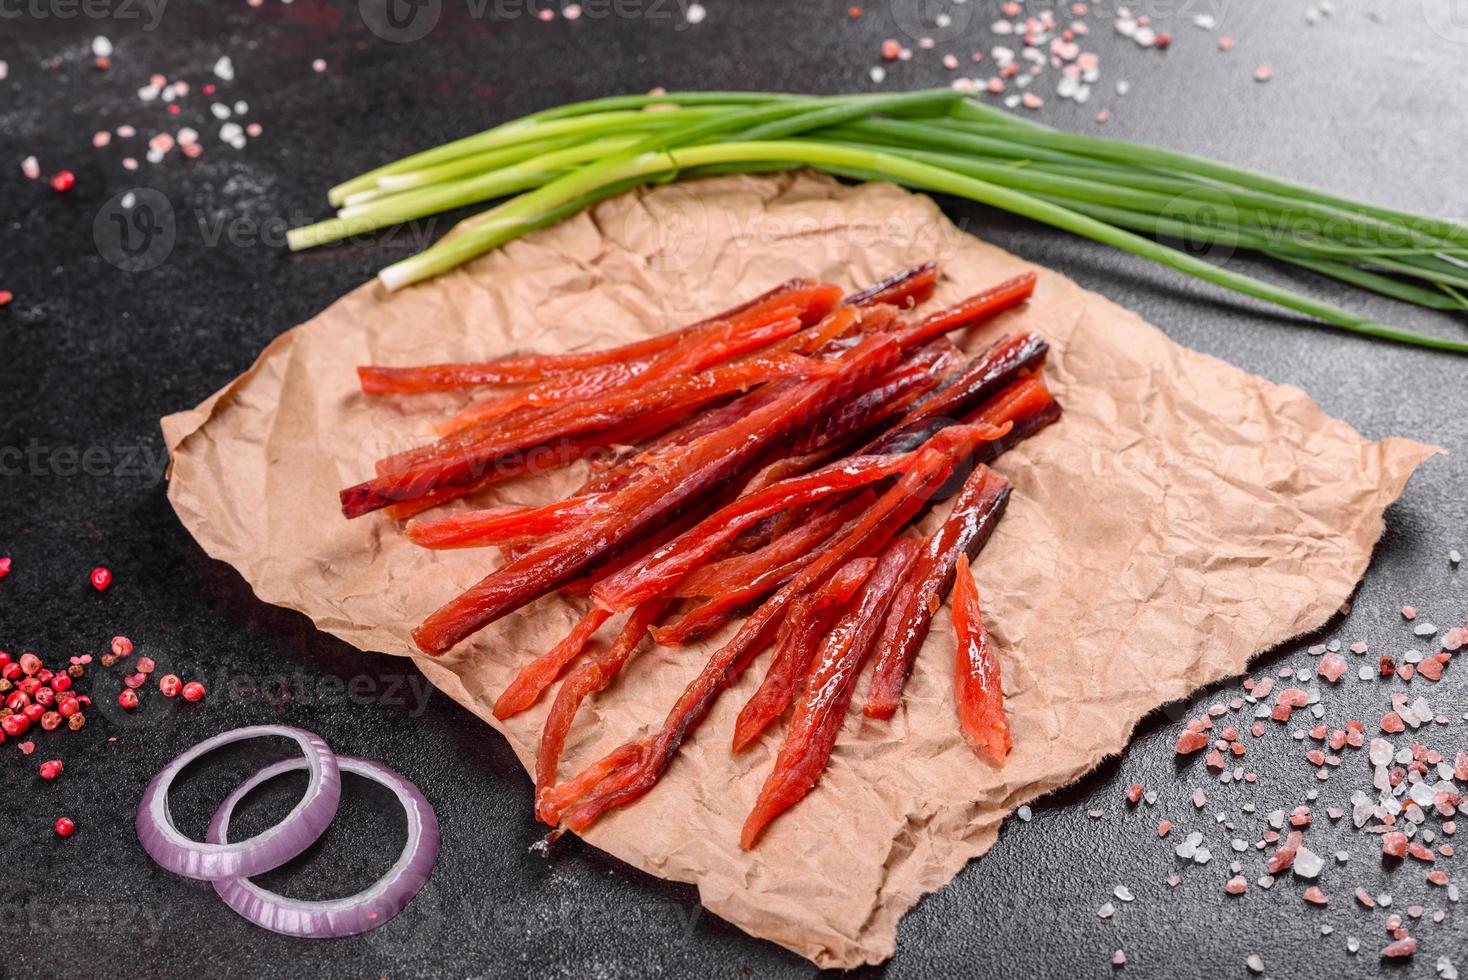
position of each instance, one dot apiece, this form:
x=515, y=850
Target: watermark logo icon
x=136, y=230
x=400, y=21
x=1447, y=18
x=940, y=20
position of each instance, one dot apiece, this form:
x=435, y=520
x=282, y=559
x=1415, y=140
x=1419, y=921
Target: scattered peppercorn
x=101, y=578
x=169, y=684
x=128, y=699
x=64, y=826
x=193, y=691
x=50, y=769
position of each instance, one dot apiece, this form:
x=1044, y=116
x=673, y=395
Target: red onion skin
x=344, y=916
x=211, y=861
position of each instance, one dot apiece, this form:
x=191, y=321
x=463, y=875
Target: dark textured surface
x=1368, y=101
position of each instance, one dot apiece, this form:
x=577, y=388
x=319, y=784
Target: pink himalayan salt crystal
x=1391, y=722
x=1409, y=613
x=1237, y=885
x=1284, y=855
x=1394, y=844
x=1332, y=666
x=1189, y=742
x=1400, y=949
x=1163, y=827
x=1421, y=852
x=1364, y=897
x=1315, y=896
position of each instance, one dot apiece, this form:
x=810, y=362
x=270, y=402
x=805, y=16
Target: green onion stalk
x=548, y=166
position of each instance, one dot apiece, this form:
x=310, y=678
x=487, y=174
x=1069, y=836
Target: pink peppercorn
x=15, y=725
x=135, y=681
x=11, y=672
x=63, y=181
x=121, y=646
x=61, y=683
x=101, y=579
x=33, y=712
x=169, y=684
x=68, y=707
x=45, y=697
x=146, y=665
x=50, y=769
x=29, y=663
x=64, y=826
x=193, y=691
x=50, y=721
x=17, y=700
x=128, y=699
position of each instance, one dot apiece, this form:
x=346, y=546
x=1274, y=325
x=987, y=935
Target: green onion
x=559, y=161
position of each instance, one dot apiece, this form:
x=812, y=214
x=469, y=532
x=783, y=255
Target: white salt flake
x=1024, y=813
x=1254, y=963
x=101, y=47
x=1123, y=892
x=1308, y=864
x=695, y=13
x=224, y=68
x=1106, y=911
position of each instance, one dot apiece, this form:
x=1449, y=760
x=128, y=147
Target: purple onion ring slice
x=214, y=861
x=339, y=916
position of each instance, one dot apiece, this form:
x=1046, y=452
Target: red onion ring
x=336, y=917
x=213, y=861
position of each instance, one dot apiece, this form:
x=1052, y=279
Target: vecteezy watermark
x=30, y=913
x=676, y=228
x=150, y=12
x=937, y=20
x=409, y=692
x=135, y=230
x=138, y=229
x=404, y=21
x=145, y=464
x=1447, y=18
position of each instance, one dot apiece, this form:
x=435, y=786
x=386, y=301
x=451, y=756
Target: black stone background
x=1369, y=101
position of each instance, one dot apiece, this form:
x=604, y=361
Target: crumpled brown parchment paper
x=1182, y=517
